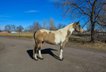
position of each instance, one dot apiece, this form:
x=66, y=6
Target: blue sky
x=26, y=12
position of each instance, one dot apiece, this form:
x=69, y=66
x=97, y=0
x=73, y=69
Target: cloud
x=31, y=11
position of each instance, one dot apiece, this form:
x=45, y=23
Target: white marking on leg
x=40, y=55
x=61, y=53
x=35, y=56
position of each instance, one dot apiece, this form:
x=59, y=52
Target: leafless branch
x=83, y=12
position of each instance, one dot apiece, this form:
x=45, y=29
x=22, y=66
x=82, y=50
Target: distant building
x=13, y=32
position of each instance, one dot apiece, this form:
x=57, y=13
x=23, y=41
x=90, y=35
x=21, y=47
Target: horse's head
x=77, y=27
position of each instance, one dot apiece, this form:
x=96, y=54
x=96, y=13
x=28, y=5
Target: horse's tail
x=34, y=35
x=35, y=39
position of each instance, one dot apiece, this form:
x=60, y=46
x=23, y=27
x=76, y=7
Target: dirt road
x=16, y=56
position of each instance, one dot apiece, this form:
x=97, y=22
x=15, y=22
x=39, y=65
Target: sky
x=26, y=12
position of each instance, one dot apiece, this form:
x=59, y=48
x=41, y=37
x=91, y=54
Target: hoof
x=40, y=58
x=61, y=59
x=36, y=59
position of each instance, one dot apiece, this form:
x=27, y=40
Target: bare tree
x=8, y=28
x=13, y=27
x=20, y=28
x=90, y=10
x=30, y=28
x=102, y=16
x=36, y=26
x=52, y=26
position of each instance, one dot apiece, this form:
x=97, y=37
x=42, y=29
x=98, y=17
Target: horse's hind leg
x=39, y=51
x=35, y=53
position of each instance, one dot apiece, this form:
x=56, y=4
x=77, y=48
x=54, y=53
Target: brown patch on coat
x=50, y=38
x=45, y=37
x=68, y=34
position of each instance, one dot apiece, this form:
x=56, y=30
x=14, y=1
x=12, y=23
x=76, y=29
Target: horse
x=57, y=37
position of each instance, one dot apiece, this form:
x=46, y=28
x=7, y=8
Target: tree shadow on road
x=44, y=51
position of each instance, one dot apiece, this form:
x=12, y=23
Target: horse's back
x=45, y=35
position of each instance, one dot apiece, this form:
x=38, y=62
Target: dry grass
x=23, y=34
x=96, y=45
x=81, y=42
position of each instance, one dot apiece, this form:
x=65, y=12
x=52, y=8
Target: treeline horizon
x=33, y=27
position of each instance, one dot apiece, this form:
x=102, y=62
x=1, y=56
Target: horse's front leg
x=62, y=45
x=40, y=55
x=61, y=53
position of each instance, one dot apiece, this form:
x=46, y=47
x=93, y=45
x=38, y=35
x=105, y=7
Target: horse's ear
x=77, y=22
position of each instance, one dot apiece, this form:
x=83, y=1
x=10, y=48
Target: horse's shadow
x=44, y=51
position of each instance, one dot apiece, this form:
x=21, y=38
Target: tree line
x=33, y=27
x=11, y=27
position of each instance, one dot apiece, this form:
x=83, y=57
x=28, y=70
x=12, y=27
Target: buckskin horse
x=59, y=37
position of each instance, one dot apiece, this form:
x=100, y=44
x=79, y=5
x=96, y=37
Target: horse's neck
x=65, y=29
x=69, y=29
